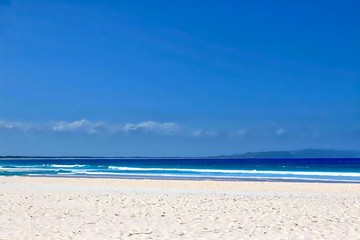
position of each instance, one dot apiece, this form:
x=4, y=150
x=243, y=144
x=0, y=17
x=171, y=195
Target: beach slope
x=85, y=208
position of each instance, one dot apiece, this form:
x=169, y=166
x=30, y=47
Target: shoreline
x=201, y=178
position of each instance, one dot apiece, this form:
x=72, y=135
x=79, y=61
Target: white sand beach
x=79, y=208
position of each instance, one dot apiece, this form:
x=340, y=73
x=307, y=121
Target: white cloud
x=239, y=133
x=280, y=132
x=82, y=125
x=16, y=126
x=153, y=127
x=61, y=126
x=204, y=133
x=91, y=127
x=6, y=125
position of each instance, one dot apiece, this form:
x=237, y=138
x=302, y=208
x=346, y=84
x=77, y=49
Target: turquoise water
x=274, y=169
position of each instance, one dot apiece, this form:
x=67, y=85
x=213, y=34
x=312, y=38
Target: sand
x=74, y=208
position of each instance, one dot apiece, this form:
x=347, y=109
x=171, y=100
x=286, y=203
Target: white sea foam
x=222, y=171
x=66, y=166
x=18, y=169
x=21, y=166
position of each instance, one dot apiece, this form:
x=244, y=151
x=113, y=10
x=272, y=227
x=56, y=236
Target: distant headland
x=305, y=153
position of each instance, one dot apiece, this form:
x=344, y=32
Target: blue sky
x=178, y=78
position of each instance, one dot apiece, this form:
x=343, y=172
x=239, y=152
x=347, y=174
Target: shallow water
x=269, y=169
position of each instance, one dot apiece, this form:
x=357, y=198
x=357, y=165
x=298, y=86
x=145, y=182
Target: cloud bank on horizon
x=85, y=137
x=87, y=127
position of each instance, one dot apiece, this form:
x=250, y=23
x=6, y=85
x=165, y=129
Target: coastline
x=195, y=178
x=88, y=208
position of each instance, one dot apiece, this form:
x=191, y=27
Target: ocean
x=232, y=169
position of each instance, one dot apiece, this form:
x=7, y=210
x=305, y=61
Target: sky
x=178, y=78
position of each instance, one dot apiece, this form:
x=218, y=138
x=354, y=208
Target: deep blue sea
x=254, y=169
